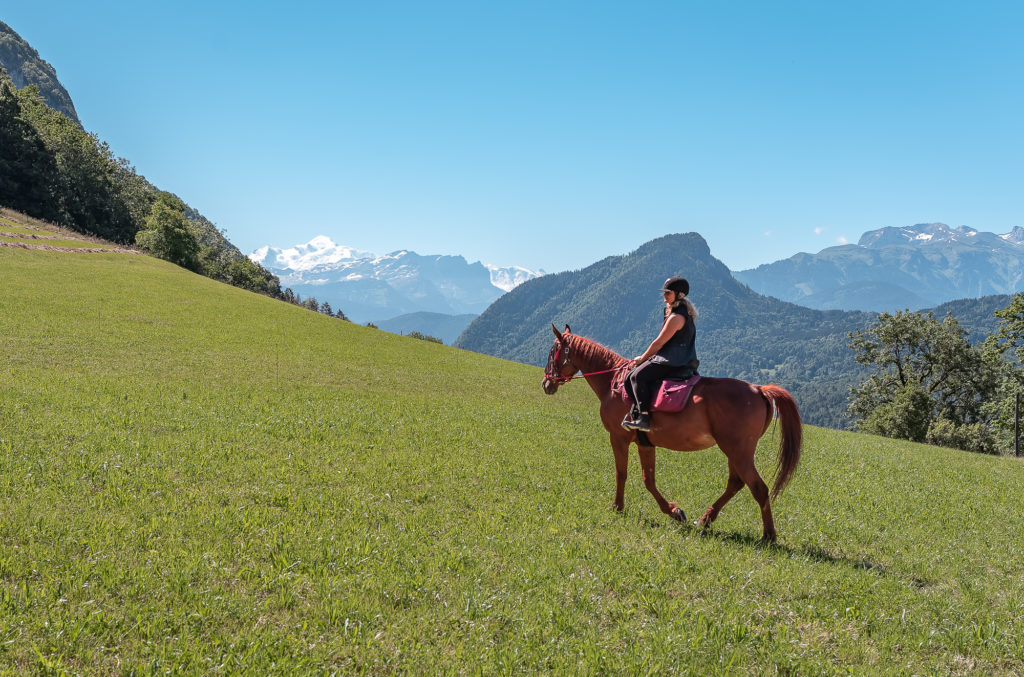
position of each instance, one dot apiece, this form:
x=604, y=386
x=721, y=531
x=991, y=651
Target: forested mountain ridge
x=740, y=333
x=26, y=67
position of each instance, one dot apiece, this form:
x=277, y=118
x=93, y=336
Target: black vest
x=680, y=349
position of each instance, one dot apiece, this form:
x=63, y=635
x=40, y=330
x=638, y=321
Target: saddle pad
x=673, y=395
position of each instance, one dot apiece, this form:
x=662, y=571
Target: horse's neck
x=590, y=357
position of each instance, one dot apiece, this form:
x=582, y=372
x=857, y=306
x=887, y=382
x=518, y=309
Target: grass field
x=198, y=479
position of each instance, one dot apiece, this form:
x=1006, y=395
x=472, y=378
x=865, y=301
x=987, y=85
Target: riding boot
x=642, y=422
x=629, y=423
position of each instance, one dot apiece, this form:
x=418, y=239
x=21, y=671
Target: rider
x=671, y=355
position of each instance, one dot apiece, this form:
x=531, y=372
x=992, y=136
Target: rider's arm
x=671, y=326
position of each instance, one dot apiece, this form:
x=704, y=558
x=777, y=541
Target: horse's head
x=559, y=368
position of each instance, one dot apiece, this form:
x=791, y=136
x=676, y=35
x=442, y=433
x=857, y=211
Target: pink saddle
x=672, y=395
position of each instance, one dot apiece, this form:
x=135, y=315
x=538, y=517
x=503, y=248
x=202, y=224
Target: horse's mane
x=594, y=352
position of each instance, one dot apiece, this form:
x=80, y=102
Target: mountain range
x=895, y=268
x=371, y=288
x=740, y=333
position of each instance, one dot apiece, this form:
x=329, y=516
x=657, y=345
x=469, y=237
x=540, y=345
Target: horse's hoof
x=616, y=508
x=676, y=512
x=707, y=518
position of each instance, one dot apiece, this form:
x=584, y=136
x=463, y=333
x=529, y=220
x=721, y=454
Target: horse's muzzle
x=549, y=386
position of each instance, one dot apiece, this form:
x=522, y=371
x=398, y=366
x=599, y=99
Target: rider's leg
x=644, y=381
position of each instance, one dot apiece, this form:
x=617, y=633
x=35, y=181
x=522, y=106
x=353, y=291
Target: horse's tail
x=792, y=434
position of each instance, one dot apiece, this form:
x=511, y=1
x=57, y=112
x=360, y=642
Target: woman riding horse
x=730, y=413
x=671, y=355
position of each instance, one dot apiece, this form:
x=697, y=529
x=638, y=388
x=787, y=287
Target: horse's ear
x=567, y=330
x=557, y=335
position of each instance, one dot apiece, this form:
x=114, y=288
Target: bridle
x=555, y=375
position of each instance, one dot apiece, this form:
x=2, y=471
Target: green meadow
x=198, y=479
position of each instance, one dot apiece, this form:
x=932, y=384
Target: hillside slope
x=51, y=168
x=195, y=478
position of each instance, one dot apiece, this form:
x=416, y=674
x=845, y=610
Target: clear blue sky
x=552, y=134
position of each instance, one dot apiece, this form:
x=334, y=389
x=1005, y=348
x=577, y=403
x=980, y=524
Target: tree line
x=52, y=169
x=928, y=383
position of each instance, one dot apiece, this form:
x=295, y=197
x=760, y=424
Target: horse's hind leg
x=759, y=489
x=734, y=484
x=647, y=465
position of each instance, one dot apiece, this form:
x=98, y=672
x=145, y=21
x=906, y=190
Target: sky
x=552, y=134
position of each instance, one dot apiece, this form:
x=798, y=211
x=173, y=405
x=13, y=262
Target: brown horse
x=730, y=413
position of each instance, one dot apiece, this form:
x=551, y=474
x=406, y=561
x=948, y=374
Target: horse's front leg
x=620, y=447
x=647, y=465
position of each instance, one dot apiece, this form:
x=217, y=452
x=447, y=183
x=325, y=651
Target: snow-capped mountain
x=317, y=252
x=511, y=277
x=370, y=287
x=892, y=268
x=935, y=233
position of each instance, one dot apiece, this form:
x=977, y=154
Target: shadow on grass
x=812, y=553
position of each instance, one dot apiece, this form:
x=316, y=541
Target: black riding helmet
x=676, y=284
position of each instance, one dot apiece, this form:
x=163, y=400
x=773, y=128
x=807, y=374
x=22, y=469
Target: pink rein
x=559, y=379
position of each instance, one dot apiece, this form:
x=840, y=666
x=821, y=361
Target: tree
x=168, y=235
x=1007, y=345
x=28, y=171
x=1010, y=334
x=424, y=337
x=242, y=272
x=925, y=371
x=98, y=193
x=906, y=414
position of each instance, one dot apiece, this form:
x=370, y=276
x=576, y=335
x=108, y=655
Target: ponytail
x=691, y=309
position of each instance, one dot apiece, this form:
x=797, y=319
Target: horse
x=728, y=412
